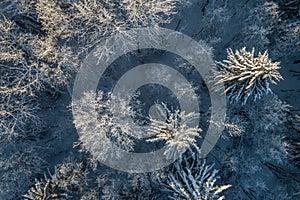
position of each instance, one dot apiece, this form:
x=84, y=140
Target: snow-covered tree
x=130, y=186
x=71, y=176
x=98, y=117
x=19, y=164
x=192, y=178
x=245, y=75
x=43, y=189
x=269, y=114
x=69, y=181
x=29, y=64
x=92, y=20
x=41, y=40
x=143, y=13
x=264, y=140
x=274, y=25
x=18, y=118
x=176, y=129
